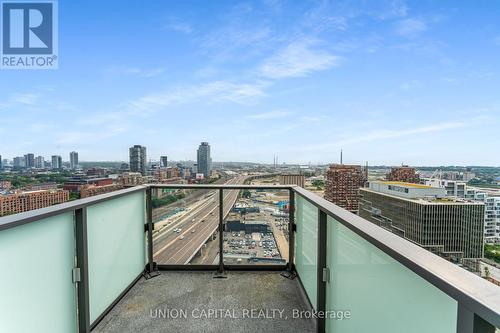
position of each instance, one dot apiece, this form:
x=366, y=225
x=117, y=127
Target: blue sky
x=388, y=81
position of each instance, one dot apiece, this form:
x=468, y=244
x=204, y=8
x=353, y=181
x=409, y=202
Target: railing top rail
x=222, y=186
x=470, y=290
x=14, y=220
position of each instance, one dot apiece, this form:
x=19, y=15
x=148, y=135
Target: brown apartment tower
x=403, y=174
x=342, y=185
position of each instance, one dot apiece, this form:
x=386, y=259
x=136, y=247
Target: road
x=169, y=248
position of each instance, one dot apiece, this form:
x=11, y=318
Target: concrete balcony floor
x=197, y=302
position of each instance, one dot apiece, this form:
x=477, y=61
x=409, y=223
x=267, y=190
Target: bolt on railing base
x=148, y=273
x=220, y=275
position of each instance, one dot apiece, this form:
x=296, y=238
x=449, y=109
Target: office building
x=29, y=160
x=56, y=162
x=163, y=161
x=204, y=161
x=342, y=185
x=73, y=160
x=453, y=188
x=403, y=174
x=18, y=162
x=138, y=161
x=450, y=227
x=26, y=201
x=292, y=179
x=39, y=162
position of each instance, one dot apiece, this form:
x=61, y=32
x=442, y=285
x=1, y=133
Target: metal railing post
x=80, y=275
x=221, y=232
x=291, y=231
x=150, y=270
x=469, y=322
x=149, y=210
x=322, y=270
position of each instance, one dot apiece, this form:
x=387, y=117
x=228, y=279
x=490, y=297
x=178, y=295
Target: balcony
x=101, y=264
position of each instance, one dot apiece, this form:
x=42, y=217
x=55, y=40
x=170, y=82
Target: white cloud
x=384, y=134
x=412, y=84
x=270, y=115
x=299, y=58
x=135, y=71
x=87, y=137
x=26, y=99
x=410, y=27
x=214, y=92
x=181, y=27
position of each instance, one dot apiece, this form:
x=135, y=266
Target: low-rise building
x=76, y=184
x=132, y=179
x=26, y=201
x=453, y=188
x=292, y=179
x=91, y=190
x=491, y=200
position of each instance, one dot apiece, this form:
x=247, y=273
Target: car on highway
x=193, y=231
x=194, y=220
x=181, y=237
x=202, y=220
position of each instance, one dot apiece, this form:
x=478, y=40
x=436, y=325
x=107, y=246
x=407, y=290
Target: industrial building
x=403, y=174
x=450, y=227
x=342, y=185
x=292, y=179
x=247, y=226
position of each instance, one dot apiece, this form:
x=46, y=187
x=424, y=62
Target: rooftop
x=404, y=184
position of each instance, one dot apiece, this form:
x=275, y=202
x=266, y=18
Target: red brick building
x=342, y=185
x=403, y=174
x=23, y=202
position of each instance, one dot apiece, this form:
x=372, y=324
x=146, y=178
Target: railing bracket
x=76, y=275
x=149, y=274
x=289, y=275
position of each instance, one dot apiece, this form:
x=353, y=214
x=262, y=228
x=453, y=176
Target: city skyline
x=391, y=82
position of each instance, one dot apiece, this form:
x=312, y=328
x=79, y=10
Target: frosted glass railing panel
x=381, y=295
x=306, y=246
x=116, y=248
x=37, y=293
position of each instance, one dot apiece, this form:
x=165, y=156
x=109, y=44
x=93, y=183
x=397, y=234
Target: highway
x=169, y=248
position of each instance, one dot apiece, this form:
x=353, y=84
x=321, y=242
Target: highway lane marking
x=201, y=235
x=181, y=220
x=191, y=241
x=185, y=232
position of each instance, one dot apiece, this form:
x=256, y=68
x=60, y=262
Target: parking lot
x=239, y=246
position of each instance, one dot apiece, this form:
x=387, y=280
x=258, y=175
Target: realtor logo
x=29, y=35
